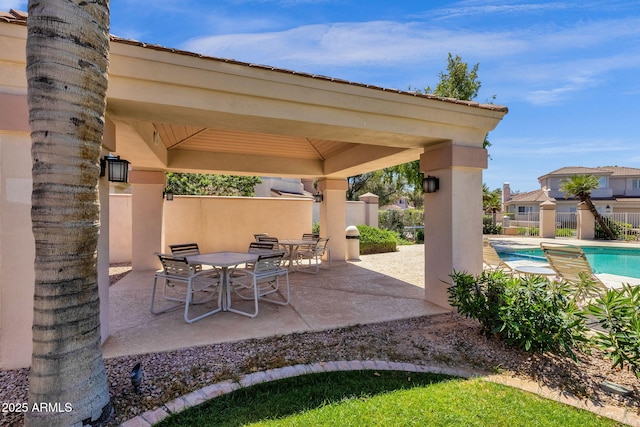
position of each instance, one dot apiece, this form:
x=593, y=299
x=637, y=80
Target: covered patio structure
x=170, y=110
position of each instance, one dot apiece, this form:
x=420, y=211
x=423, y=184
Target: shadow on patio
x=378, y=288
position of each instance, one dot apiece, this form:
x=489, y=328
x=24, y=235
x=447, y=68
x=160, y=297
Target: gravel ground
x=448, y=340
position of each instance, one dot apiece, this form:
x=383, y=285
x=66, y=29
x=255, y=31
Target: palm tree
x=67, y=60
x=581, y=186
x=491, y=201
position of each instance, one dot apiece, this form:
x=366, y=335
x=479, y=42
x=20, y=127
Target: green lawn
x=369, y=398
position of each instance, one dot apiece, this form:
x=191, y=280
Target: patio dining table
x=293, y=246
x=223, y=260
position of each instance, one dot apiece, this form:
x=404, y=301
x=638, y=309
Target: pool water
x=619, y=261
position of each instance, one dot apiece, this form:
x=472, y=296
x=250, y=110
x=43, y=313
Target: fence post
x=548, y=219
x=371, y=206
x=586, y=223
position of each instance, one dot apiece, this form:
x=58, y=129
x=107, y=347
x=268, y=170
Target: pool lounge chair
x=571, y=265
x=492, y=260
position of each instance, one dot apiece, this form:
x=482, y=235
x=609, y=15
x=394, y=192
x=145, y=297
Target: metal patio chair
x=186, y=286
x=258, y=282
x=313, y=255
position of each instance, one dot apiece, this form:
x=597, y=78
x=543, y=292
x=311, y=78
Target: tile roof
x=600, y=170
x=531, y=196
x=20, y=18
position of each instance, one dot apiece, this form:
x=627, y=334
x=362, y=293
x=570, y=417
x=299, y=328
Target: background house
x=619, y=191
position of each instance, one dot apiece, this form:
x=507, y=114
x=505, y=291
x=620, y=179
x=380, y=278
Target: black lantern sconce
x=318, y=198
x=167, y=194
x=430, y=184
x=118, y=168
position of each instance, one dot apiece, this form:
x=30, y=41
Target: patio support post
x=333, y=220
x=146, y=218
x=453, y=226
x=586, y=223
x=548, y=220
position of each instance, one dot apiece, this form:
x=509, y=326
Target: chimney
x=506, y=193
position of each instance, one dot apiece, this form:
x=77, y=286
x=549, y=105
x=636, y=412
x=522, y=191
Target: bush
x=491, y=229
x=617, y=313
x=528, y=231
x=488, y=226
x=565, y=232
x=420, y=236
x=530, y=313
x=619, y=229
x=397, y=220
x=374, y=240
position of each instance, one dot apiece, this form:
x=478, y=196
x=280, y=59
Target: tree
x=458, y=82
x=67, y=60
x=581, y=186
x=491, y=201
x=211, y=184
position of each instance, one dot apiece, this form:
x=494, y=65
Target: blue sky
x=569, y=71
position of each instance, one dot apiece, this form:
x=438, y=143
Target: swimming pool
x=620, y=261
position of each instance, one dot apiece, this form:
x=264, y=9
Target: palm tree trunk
x=599, y=219
x=67, y=60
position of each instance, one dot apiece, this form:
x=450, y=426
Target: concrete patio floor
x=377, y=288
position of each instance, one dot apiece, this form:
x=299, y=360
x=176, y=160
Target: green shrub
x=420, y=236
x=619, y=229
x=397, y=220
x=617, y=313
x=315, y=228
x=530, y=313
x=489, y=227
x=528, y=231
x=565, y=232
x=374, y=240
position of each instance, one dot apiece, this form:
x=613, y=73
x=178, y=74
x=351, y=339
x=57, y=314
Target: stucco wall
x=228, y=223
x=189, y=219
x=17, y=249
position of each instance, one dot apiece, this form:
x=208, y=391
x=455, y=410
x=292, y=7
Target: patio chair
x=492, y=260
x=186, y=286
x=571, y=265
x=186, y=249
x=258, y=282
x=310, y=236
x=275, y=242
x=258, y=235
x=313, y=254
x=261, y=248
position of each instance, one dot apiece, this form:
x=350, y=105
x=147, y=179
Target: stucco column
x=371, y=205
x=146, y=218
x=453, y=225
x=548, y=219
x=332, y=216
x=586, y=223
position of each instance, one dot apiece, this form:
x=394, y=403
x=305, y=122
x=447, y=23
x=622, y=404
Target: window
x=602, y=182
x=525, y=209
x=635, y=184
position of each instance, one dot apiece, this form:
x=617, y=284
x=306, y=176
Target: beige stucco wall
x=228, y=223
x=17, y=249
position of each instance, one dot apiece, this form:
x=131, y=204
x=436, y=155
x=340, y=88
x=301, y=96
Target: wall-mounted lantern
x=318, y=197
x=167, y=194
x=430, y=184
x=118, y=168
